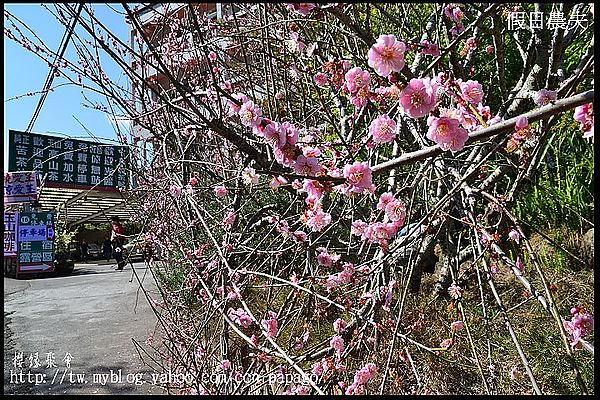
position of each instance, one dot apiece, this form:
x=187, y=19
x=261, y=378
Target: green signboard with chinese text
x=66, y=162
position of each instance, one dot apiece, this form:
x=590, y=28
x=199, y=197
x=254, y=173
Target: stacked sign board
x=61, y=163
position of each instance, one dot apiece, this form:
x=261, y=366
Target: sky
x=25, y=72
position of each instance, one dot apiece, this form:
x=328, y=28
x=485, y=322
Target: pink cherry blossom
x=489, y=49
x=457, y=326
x=270, y=324
x=384, y=199
x=326, y=259
x=273, y=134
x=250, y=114
x=447, y=133
x=277, y=181
x=225, y=364
x=519, y=264
x=212, y=55
x=291, y=132
x=286, y=155
x=365, y=374
x=471, y=43
x=514, y=235
x=357, y=79
x=380, y=233
x=453, y=12
x=299, y=236
x=522, y=123
x=339, y=325
x=317, y=219
x=386, y=55
x=175, y=190
x=584, y=114
x=321, y=79
x=313, y=188
x=249, y=176
x=444, y=344
x=317, y=368
x=583, y=321
x=242, y=98
x=355, y=389
x=472, y=91
x=229, y=218
x=429, y=48
x=396, y=212
x=337, y=343
x=455, y=291
x=359, y=178
x=301, y=8
x=418, y=98
x=544, y=97
x=309, y=151
x=358, y=227
x=307, y=165
x=383, y=129
x=239, y=316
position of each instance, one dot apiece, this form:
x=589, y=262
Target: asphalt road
x=93, y=314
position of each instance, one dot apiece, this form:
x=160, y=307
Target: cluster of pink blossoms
x=239, y=316
x=337, y=343
x=283, y=227
x=361, y=377
x=522, y=132
x=301, y=8
x=339, y=326
x=429, y=48
x=270, y=324
x=325, y=258
x=220, y=191
x=283, y=138
x=584, y=114
x=229, y=219
x=327, y=366
x=581, y=324
x=455, y=14
x=356, y=83
x=447, y=133
x=381, y=232
x=341, y=278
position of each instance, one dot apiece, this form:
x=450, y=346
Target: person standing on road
x=84, y=251
x=117, y=240
x=107, y=248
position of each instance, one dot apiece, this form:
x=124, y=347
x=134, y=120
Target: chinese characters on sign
x=538, y=20
x=35, y=238
x=65, y=161
x=10, y=230
x=19, y=187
